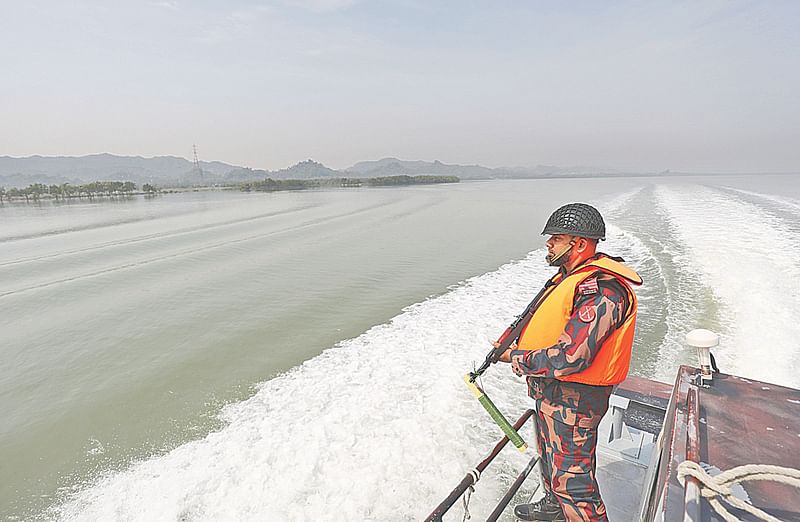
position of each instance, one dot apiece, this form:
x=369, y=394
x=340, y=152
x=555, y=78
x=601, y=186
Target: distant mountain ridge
x=306, y=170
x=97, y=167
x=395, y=167
x=172, y=170
x=21, y=172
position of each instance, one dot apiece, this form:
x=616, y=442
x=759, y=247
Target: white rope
x=719, y=486
x=465, y=498
x=476, y=475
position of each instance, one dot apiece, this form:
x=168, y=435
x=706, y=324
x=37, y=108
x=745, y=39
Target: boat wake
x=748, y=265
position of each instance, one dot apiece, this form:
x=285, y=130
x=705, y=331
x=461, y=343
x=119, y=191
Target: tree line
x=410, y=180
x=272, y=185
x=64, y=191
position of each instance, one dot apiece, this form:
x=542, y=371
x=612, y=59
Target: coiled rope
x=719, y=486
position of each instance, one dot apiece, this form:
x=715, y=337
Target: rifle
x=510, y=335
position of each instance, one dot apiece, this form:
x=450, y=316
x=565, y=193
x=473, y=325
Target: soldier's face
x=557, y=247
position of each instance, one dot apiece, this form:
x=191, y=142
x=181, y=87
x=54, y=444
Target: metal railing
x=691, y=495
x=474, y=475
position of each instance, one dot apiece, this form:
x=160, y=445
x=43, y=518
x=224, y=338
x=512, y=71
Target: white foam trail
x=618, y=202
x=640, y=257
x=751, y=268
x=624, y=244
x=787, y=203
x=676, y=292
x=646, y=255
x=380, y=427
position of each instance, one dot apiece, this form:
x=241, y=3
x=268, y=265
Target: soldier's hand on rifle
x=515, y=364
x=505, y=356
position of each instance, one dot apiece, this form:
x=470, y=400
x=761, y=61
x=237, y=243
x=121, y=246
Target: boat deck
x=739, y=421
x=621, y=478
x=651, y=428
x=620, y=484
x=623, y=462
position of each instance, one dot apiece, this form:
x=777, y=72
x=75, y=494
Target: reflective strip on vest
x=611, y=363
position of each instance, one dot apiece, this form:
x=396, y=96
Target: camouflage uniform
x=569, y=412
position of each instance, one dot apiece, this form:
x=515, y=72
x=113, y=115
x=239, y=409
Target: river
x=298, y=355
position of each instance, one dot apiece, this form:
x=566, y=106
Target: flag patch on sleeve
x=588, y=287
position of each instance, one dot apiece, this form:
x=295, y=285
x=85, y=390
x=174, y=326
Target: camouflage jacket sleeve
x=599, y=308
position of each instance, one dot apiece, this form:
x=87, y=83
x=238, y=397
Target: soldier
x=575, y=348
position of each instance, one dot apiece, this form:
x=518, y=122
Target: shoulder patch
x=587, y=313
x=588, y=286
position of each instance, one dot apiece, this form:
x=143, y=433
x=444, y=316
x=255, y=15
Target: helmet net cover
x=576, y=219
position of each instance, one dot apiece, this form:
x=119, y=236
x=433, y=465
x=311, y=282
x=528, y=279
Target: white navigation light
x=703, y=340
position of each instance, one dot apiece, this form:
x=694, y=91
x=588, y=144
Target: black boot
x=547, y=508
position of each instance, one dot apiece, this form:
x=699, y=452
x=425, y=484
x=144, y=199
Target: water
x=299, y=355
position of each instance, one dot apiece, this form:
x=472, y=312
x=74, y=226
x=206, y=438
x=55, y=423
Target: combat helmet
x=576, y=219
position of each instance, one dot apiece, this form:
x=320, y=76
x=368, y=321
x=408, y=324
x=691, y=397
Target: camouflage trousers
x=568, y=468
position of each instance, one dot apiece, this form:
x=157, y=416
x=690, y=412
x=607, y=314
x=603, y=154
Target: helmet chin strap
x=554, y=260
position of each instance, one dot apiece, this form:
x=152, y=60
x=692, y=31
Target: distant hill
x=396, y=167
x=96, y=167
x=308, y=169
x=162, y=170
x=171, y=170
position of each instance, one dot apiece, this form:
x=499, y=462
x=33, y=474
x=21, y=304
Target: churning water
x=298, y=356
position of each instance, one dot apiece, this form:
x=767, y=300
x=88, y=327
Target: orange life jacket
x=610, y=364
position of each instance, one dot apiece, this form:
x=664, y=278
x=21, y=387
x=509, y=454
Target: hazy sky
x=698, y=85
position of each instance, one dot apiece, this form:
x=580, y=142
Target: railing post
x=692, y=488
